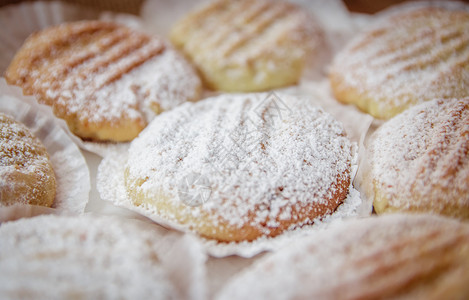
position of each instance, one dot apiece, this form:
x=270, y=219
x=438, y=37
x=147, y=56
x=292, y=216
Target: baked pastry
x=240, y=167
x=244, y=46
x=26, y=173
x=58, y=257
x=387, y=257
x=419, y=160
x=412, y=55
x=104, y=79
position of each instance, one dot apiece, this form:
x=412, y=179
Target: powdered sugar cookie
x=414, y=55
x=91, y=257
x=26, y=172
x=240, y=167
x=104, y=79
x=419, y=160
x=390, y=257
x=249, y=45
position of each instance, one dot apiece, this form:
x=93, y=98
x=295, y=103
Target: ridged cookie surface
x=105, y=80
x=237, y=167
x=249, y=45
x=26, y=173
x=412, y=56
x=386, y=257
x=419, y=160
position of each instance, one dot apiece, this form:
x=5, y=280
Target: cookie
x=245, y=46
x=412, y=55
x=419, y=160
x=238, y=167
x=386, y=257
x=105, y=80
x=26, y=173
x=86, y=257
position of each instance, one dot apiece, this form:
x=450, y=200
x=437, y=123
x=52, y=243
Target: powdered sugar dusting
x=18, y=146
x=368, y=258
x=162, y=81
x=249, y=43
x=349, y=209
x=406, y=58
x=111, y=185
x=112, y=75
x=26, y=174
x=122, y=259
x=237, y=32
x=422, y=156
x=253, y=167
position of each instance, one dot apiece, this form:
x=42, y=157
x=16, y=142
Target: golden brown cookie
x=387, y=257
x=240, y=167
x=410, y=56
x=104, y=79
x=248, y=45
x=26, y=173
x=419, y=160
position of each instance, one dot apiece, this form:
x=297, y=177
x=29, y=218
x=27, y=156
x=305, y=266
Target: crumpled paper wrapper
x=71, y=170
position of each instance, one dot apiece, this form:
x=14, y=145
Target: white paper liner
x=71, y=170
x=362, y=181
x=219, y=271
